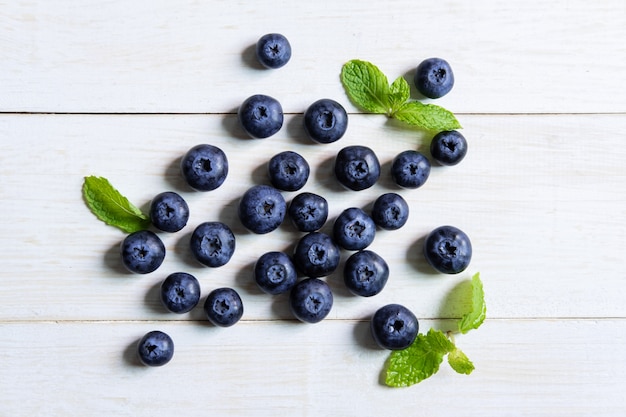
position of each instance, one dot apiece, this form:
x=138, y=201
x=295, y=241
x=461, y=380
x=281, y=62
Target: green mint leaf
x=426, y=116
x=419, y=361
x=366, y=86
x=399, y=93
x=476, y=316
x=460, y=362
x=112, y=207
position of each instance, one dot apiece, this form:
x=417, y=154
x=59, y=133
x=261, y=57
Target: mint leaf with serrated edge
x=366, y=86
x=426, y=116
x=110, y=206
x=474, y=318
x=399, y=93
x=460, y=362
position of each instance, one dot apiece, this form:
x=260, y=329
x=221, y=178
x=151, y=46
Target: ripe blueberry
x=275, y=273
x=448, y=249
x=410, y=169
x=273, y=50
x=365, y=273
x=180, y=292
x=212, y=244
x=325, y=121
x=311, y=300
x=316, y=255
x=169, y=212
x=288, y=171
x=394, y=327
x=434, y=78
x=357, y=167
x=142, y=252
x=262, y=209
x=448, y=147
x=155, y=348
x=260, y=116
x=204, y=167
x=354, y=229
x=223, y=307
x=390, y=211
x=308, y=212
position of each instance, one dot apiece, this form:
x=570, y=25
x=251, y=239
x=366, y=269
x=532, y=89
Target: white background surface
x=123, y=89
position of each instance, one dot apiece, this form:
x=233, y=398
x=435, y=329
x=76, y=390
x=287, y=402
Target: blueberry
x=354, y=229
x=155, y=348
x=262, y=209
x=394, y=327
x=260, y=116
x=204, y=167
x=311, y=300
x=212, y=244
x=288, y=171
x=410, y=169
x=434, y=78
x=169, y=212
x=275, y=273
x=365, y=273
x=223, y=307
x=273, y=50
x=448, y=249
x=325, y=121
x=357, y=167
x=316, y=255
x=142, y=252
x=180, y=292
x=390, y=211
x=448, y=147
x=308, y=212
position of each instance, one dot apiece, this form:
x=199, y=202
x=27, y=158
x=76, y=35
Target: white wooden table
x=122, y=89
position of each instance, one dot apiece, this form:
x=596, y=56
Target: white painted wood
x=190, y=56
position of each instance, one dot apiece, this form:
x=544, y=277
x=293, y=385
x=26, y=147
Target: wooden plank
x=509, y=57
x=540, y=197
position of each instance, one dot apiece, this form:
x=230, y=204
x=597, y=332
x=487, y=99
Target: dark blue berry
x=357, y=167
x=448, y=249
x=142, y=252
x=390, y=211
x=180, y=292
x=365, y=273
x=155, y=348
x=260, y=116
x=212, y=244
x=448, y=147
x=223, y=307
x=434, y=78
x=325, y=121
x=311, y=300
x=394, y=327
x=316, y=255
x=273, y=50
x=169, y=212
x=308, y=212
x=204, y=167
x=410, y=169
x=262, y=209
x=354, y=229
x=275, y=273
x=288, y=171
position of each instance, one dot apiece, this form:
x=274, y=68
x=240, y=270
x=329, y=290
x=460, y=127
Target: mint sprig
x=110, y=206
x=369, y=89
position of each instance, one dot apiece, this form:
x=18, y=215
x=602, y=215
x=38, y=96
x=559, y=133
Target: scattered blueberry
x=357, y=167
x=410, y=169
x=223, y=307
x=434, y=78
x=273, y=50
x=316, y=255
x=325, y=121
x=365, y=273
x=212, y=244
x=180, y=292
x=262, y=209
x=308, y=212
x=155, y=348
x=354, y=229
x=311, y=300
x=142, y=252
x=288, y=171
x=448, y=147
x=275, y=273
x=260, y=116
x=204, y=167
x=169, y=212
x=390, y=211
x=394, y=327
x=448, y=249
